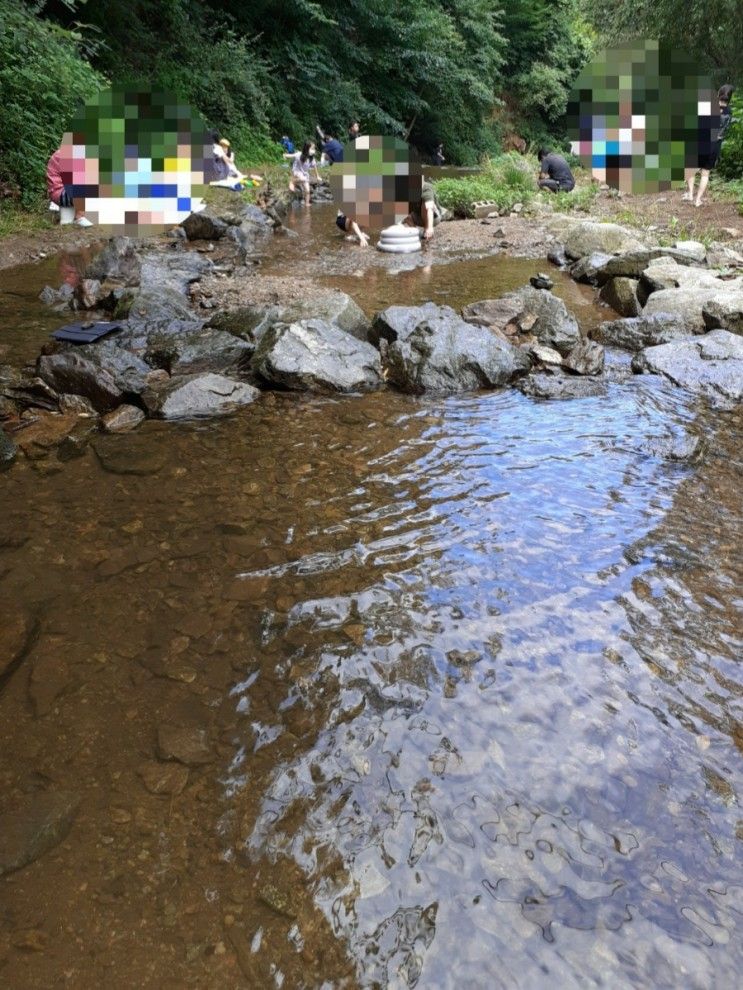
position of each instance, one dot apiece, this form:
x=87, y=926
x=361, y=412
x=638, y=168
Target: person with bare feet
x=349, y=226
x=302, y=161
x=709, y=156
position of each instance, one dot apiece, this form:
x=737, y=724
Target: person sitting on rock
x=349, y=226
x=220, y=162
x=59, y=184
x=229, y=157
x=554, y=172
x=302, y=161
x=709, y=154
x=427, y=213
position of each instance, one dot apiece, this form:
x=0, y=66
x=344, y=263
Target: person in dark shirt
x=330, y=146
x=554, y=172
x=438, y=155
x=353, y=130
x=709, y=151
x=349, y=226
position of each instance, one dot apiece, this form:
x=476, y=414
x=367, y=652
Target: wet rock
x=586, y=358
x=587, y=236
x=163, y=778
x=161, y=304
x=544, y=355
x=185, y=745
x=547, y=386
x=444, y=353
x=694, y=250
x=45, y=431
x=128, y=455
x=204, y=395
x=278, y=899
x=710, y=365
x=620, y=293
x=541, y=281
x=685, y=449
x=49, y=675
x=118, y=260
x=314, y=355
x=76, y=404
x=59, y=298
x=724, y=314
x=546, y=317
x=587, y=269
x=8, y=452
x=70, y=372
x=33, y=826
x=634, y=333
x=30, y=393
x=123, y=419
x=204, y=226
x=76, y=442
x=88, y=293
x=556, y=255
x=16, y=630
x=464, y=658
x=502, y=316
x=129, y=371
x=687, y=305
x=400, y=321
x=208, y=350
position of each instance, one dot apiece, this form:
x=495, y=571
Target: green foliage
x=710, y=30
x=730, y=165
x=254, y=147
x=504, y=181
x=43, y=80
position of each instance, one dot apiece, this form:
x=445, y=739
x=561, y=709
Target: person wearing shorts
x=302, y=162
x=427, y=213
x=709, y=150
x=349, y=226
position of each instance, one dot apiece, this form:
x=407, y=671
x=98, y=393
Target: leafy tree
x=43, y=80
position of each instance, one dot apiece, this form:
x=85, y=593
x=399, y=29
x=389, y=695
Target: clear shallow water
x=469, y=673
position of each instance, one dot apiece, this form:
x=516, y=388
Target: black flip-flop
x=85, y=333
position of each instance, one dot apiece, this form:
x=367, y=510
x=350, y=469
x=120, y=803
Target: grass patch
x=504, y=181
x=18, y=219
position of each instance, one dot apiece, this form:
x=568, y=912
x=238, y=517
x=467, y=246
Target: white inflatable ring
x=399, y=248
x=398, y=233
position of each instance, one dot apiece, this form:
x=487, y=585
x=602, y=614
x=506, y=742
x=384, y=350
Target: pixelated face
x=140, y=158
x=378, y=182
x=640, y=115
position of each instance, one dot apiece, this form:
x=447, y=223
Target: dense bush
x=504, y=181
x=43, y=80
x=731, y=159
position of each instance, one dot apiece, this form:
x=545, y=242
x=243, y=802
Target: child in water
x=349, y=226
x=302, y=161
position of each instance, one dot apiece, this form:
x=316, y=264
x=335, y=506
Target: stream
x=453, y=684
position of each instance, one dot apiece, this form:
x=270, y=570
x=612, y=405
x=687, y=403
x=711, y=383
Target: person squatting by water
x=709, y=157
x=302, y=161
x=349, y=226
x=554, y=172
x=427, y=213
x=59, y=186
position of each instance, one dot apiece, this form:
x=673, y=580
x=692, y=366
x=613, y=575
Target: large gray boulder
x=71, y=372
x=443, y=353
x=316, y=356
x=196, y=396
x=587, y=236
x=400, y=321
x=620, y=293
x=251, y=322
x=198, y=352
x=547, y=318
x=710, y=365
x=635, y=333
x=117, y=261
x=724, y=313
x=161, y=304
x=688, y=304
x=588, y=268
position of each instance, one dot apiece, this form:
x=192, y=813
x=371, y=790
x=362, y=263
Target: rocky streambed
x=182, y=349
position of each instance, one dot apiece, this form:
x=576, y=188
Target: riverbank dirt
x=666, y=212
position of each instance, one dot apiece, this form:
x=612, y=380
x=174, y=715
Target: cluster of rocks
x=172, y=359
x=681, y=307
